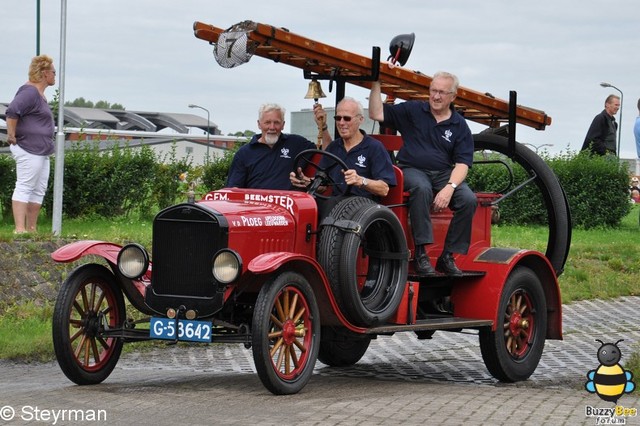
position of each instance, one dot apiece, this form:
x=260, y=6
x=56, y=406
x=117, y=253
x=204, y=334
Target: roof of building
x=147, y=121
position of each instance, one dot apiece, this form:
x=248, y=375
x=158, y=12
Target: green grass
x=116, y=230
x=602, y=263
x=25, y=332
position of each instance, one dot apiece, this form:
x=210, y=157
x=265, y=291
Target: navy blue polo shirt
x=258, y=166
x=369, y=159
x=429, y=145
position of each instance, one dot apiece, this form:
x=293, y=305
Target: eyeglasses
x=343, y=117
x=434, y=92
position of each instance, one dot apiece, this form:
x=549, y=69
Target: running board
x=447, y=323
x=441, y=276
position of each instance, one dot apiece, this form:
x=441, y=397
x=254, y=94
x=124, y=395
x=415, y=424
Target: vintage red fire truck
x=255, y=267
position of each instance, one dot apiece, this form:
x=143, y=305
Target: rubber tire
x=80, y=281
x=341, y=348
x=555, y=199
x=281, y=380
x=377, y=298
x=330, y=241
x=502, y=363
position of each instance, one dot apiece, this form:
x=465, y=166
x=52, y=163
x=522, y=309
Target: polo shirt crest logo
x=361, y=160
x=447, y=135
x=284, y=153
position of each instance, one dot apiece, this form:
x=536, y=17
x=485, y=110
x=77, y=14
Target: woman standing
x=30, y=132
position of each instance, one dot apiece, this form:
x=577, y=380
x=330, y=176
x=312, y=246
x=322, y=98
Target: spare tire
x=369, y=276
x=553, y=195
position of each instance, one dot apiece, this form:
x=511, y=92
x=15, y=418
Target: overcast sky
x=143, y=55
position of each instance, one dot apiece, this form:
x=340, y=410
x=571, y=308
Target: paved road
x=400, y=380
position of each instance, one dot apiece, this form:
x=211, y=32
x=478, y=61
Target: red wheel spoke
x=279, y=309
x=99, y=303
x=285, y=302
x=79, y=309
x=276, y=321
x=92, y=297
x=287, y=359
x=276, y=346
x=275, y=334
x=95, y=351
x=292, y=308
x=105, y=345
x=85, y=302
x=299, y=314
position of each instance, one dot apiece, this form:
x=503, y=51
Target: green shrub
x=596, y=189
x=108, y=184
x=215, y=173
x=123, y=180
x=167, y=179
x=7, y=183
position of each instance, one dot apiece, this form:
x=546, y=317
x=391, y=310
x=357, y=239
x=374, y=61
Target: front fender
x=74, y=251
x=133, y=289
x=330, y=313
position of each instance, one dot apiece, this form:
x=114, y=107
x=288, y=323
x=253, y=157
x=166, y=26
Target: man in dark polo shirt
x=370, y=171
x=435, y=158
x=265, y=162
x=601, y=136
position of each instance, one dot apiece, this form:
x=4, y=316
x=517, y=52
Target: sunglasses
x=342, y=117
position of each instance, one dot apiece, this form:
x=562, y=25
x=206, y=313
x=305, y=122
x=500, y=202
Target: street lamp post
x=603, y=84
x=208, y=129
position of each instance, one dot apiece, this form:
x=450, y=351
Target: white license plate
x=187, y=330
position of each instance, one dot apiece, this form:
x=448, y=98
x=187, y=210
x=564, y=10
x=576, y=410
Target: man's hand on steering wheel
x=322, y=176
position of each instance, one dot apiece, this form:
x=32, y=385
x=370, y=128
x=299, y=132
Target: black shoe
x=447, y=265
x=423, y=266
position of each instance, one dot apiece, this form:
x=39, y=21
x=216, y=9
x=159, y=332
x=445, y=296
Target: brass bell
x=315, y=91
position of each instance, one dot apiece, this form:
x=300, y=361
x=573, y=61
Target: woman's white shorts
x=32, y=176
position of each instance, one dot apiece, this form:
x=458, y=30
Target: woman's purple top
x=35, y=128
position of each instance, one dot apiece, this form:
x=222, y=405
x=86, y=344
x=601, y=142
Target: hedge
x=123, y=180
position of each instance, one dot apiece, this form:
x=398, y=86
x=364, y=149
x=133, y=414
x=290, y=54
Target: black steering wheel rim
x=322, y=177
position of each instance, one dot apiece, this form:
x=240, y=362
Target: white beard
x=270, y=139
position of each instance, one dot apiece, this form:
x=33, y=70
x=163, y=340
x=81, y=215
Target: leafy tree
x=82, y=102
x=247, y=133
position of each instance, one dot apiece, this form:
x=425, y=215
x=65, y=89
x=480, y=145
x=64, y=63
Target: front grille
x=185, y=238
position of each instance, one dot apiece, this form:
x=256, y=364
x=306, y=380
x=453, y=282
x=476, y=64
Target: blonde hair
x=39, y=64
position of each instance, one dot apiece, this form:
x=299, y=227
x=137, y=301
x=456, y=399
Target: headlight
x=133, y=261
x=226, y=266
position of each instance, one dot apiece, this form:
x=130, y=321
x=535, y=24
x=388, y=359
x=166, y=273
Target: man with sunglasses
x=435, y=158
x=370, y=170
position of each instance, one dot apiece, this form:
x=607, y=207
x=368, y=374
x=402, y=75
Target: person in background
x=370, y=172
x=265, y=162
x=634, y=189
x=30, y=133
x=636, y=131
x=435, y=159
x=601, y=136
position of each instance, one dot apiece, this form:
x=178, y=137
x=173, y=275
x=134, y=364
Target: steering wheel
x=322, y=177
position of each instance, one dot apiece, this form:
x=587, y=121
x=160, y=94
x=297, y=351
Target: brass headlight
x=226, y=266
x=133, y=261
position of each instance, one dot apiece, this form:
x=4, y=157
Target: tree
x=247, y=133
x=82, y=102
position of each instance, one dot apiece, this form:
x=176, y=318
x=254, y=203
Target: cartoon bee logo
x=609, y=381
